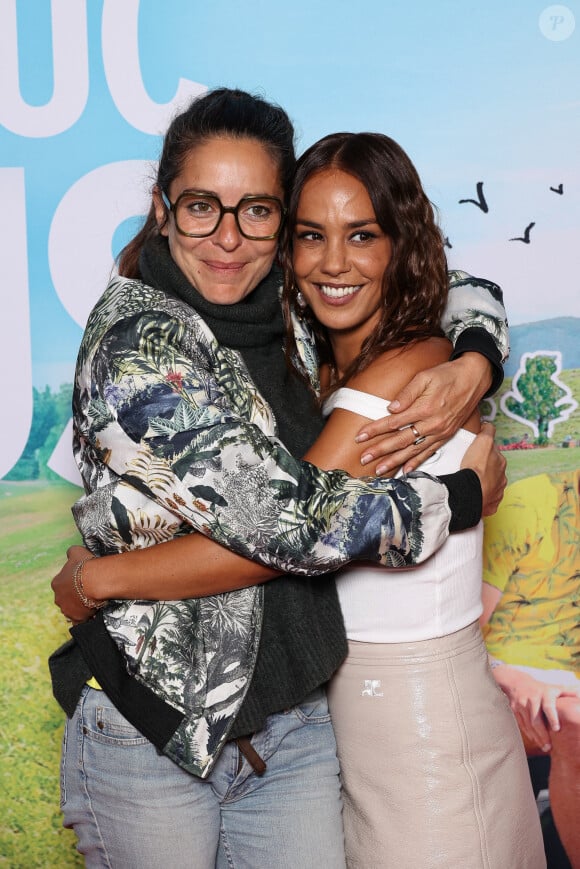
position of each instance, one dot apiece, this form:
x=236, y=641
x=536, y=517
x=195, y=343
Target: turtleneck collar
x=254, y=322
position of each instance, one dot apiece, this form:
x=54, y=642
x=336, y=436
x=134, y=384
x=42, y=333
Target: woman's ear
x=161, y=212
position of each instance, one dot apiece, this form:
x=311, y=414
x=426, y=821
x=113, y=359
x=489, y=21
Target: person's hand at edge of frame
x=534, y=703
x=489, y=464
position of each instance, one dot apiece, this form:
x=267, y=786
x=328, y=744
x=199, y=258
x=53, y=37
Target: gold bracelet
x=79, y=588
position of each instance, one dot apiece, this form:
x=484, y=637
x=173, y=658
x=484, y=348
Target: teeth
x=339, y=292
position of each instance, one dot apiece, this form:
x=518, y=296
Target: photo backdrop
x=485, y=99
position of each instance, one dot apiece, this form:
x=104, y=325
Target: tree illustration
x=538, y=398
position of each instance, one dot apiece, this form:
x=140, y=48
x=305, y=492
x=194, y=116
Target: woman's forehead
x=223, y=163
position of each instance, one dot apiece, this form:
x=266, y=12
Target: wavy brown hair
x=415, y=283
x=226, y=112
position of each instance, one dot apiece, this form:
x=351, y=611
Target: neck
x=254, y=322
x=347, y=343
x=346, y=347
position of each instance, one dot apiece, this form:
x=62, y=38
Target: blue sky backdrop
x=474, y=92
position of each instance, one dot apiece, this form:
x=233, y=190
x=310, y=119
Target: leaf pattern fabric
x=475, y=303
x=171, y=437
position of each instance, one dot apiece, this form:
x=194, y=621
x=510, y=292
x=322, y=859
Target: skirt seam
x=476, y=790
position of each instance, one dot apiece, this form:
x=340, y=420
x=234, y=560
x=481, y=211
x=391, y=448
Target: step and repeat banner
x=486, y=100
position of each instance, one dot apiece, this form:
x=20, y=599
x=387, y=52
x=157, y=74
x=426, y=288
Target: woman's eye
x=363, y=236
x=309, y=235
x=259, y=212
x=201, y=206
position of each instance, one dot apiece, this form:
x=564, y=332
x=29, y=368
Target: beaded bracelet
x=78, y=587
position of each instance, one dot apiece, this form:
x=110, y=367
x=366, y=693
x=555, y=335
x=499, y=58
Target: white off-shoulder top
x=438, y=596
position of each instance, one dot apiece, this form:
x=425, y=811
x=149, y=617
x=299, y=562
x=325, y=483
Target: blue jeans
x=132, y=808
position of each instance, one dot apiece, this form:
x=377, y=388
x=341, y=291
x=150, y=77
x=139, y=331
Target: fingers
x=549, y=708
x=426, y=451
x=400, y=450
x=409, y=394
x=538, y=715
x=494, y=495
x=77, y=553
x=487, y=429
x=536, y=732
x=484, y=458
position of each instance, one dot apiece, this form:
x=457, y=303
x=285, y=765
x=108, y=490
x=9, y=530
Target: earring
x=300, y=300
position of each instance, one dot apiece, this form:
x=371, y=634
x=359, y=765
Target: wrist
x=477, y=340
x=109, y=577
x=79, y=586
x=477, y=369
x=465, y=498
x=91, y=580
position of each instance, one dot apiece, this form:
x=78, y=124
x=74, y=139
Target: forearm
x=187, y=567
x=482, y=360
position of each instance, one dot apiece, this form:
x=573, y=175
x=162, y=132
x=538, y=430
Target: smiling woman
x=426, y=742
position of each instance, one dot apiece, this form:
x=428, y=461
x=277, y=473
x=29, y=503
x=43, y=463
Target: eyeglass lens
x=200, y=214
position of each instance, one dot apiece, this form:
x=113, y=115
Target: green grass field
x=528, y=463
x=37, y=528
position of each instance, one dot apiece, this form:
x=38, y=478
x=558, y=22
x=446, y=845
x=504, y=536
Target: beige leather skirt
x=433, y=768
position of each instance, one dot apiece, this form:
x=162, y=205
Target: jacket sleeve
x=475, y=321
x=165, y=422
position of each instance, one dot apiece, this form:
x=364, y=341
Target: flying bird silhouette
x=526, y=236
x=480, y=201
x=559, y=189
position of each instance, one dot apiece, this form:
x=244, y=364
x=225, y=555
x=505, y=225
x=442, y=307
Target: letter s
x=80, y=253
x=79, y=243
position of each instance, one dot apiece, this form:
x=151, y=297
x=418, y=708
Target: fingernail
x=394, y=405
x=546, y=747
x=382, y=469
x=361, y=437
x=364, y=460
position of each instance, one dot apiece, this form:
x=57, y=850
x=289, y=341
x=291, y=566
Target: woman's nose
x=227, y=234
x=335, y=259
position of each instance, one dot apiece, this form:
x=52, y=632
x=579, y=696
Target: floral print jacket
x=171, y=436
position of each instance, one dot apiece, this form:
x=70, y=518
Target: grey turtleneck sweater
x=303, y=639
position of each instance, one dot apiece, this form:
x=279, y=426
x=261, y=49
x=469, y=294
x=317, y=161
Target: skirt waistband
x=438, y=648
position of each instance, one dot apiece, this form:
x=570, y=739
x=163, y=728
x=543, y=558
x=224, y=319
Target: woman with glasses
x=199, y=732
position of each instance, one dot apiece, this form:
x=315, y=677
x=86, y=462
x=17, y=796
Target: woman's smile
x=338, y=293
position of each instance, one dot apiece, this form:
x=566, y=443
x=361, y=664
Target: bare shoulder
x=391, y=371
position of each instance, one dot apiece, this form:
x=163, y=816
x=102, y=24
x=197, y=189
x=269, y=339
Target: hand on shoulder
x=394, y=369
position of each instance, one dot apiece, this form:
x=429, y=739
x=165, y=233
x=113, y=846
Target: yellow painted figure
x=532, y=558
x=531, y=624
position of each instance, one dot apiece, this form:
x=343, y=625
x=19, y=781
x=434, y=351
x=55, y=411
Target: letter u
x=71, y=72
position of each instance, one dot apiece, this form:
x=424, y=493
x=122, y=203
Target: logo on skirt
x=372, y=688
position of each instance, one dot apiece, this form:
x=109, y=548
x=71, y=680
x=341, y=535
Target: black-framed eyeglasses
x=198, y=214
